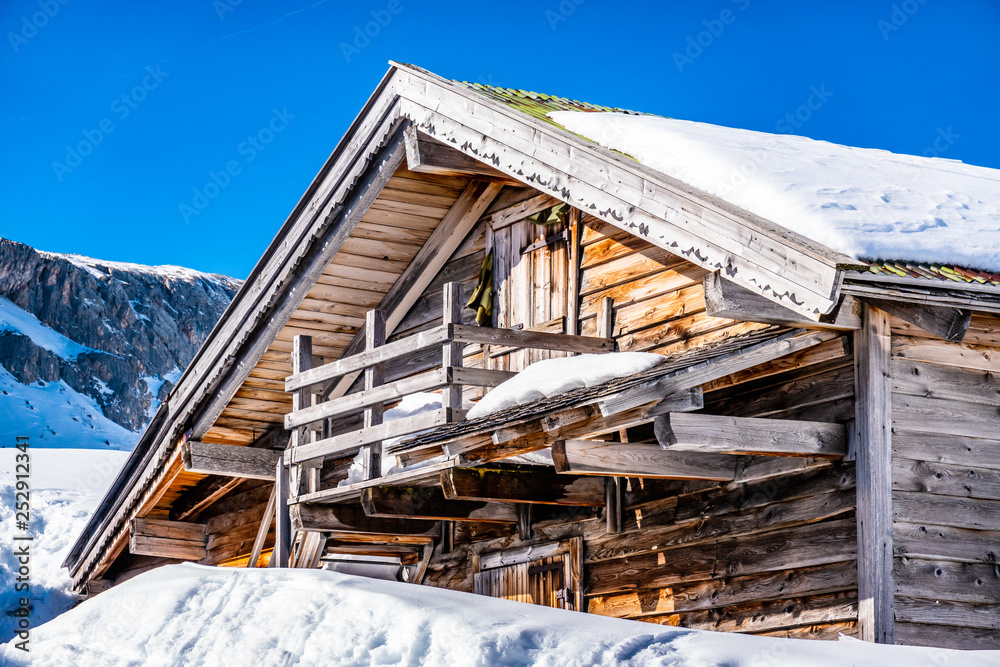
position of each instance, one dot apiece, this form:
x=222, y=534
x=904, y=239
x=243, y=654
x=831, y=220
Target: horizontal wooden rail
x=392, y=391
x=229, y=460
x=358, y=362
x=459, y=333
x=348, y=443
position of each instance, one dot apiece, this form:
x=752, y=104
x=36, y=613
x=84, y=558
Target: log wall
x=946, y=486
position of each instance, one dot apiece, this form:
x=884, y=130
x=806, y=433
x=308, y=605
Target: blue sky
x=161, y=95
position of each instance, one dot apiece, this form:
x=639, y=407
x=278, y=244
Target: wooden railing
x=313, y=407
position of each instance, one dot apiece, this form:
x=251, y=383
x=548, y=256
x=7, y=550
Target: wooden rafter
x=640, y=459
x=521, y=486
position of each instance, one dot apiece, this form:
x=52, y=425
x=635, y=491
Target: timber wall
x=772, y=554
x=946, y=486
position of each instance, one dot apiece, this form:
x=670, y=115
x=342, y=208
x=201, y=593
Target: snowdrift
x=197, y=615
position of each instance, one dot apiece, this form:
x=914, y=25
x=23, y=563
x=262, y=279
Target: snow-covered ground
x=65, y=487
x=863, y=202
x=197, y=615
x=53, y=414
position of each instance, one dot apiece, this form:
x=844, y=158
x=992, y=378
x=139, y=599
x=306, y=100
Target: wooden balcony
x=316, y=409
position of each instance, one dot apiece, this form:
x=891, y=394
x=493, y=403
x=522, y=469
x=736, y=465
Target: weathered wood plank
x=947, y=323
x=918, y=378
x=521, y=486
x=192, y=501
x=931, y=350
x=946, y=636
x=874, y=476
x=934, y=542
x=975, y=583
x=697, y=432
x=945, y=479
x=724, y=298
x=229, y=460
x=349, y=522
x=803, y=546
x=950, y=417
x=168, y=539
x=532, y=339
x=634, y=459
x=919, y=507
x=430, y=503
x=716, y=593
x=426, y=155
x=945, y=448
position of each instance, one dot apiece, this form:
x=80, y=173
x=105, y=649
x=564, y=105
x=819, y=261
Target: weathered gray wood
x=946, y=417
x=347, y=443
x=168, y=539
x=950, y=383
x=947, y=323
x=262, y=530
x=934, y=542
x=349, y=522
x=613, y=505
x=636, y=459
x=521, y=210
x=371, y=453
x=282, y=525
x=521, y=486
x=229, y=460
x=872, y=350
x=193, y=501
x=946, y=636
x=536, y=340
x=711, y=370
x=426, y=155
x=963, y=355
x=430, y=503
x=420, y=273
x=358, y=362
x=945, y=479
x=724, y=298
x=945, y=448
x=920, y=507
x=746, y=435
x=451, y=353
x=525, y=530
x=975, y=583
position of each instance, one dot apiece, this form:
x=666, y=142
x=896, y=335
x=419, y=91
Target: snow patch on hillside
x=197, y=615
x=53, y=414
x=13, y=318
x=100, y=268
x=66, y=486
x=867, y=203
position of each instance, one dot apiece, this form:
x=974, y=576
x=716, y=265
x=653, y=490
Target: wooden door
x=541, y=582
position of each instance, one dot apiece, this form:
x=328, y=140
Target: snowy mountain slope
x=196, y=615
x=88, y=349
x=66, y=486
x=870, y=204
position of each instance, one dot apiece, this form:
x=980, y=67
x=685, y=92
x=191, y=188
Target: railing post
x=451, y=357
x=371, y=455
x=301, y=361
x=283, y=522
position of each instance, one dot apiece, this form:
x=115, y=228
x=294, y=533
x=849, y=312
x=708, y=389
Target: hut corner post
x=873, y=409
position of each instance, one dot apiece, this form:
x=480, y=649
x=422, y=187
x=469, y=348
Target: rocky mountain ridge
x=80, y=335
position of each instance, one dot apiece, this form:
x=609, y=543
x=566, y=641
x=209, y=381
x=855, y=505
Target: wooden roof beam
x=229, y=460
x=950, y=324
x=720, y=434
x=168, y=539
x=521, y=486
x=724, y=298
x=426, y=155
x=349, y=523
x=430, y=503
x=640, y=459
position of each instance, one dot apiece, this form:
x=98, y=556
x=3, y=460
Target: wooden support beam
x=873, y=391
x=613, y=504
x=640, y=459
x=430, y=503
x=724, y=298
x=451, y=353
x=521, y=486
x=229, y=460
x=525, y=531
x=950, y=324
x=371, y=453
x=721, y=434
x=262, y=530
x=168, y=539
x=350, y=523
x=283, y=527
x=426, y=155
x=190, y=503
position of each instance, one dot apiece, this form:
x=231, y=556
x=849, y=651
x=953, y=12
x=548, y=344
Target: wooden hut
x=817, y=454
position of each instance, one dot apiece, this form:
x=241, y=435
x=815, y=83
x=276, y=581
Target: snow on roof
x=867, y=203
x=198, y=615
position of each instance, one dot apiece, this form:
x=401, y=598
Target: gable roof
x=502, y=129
